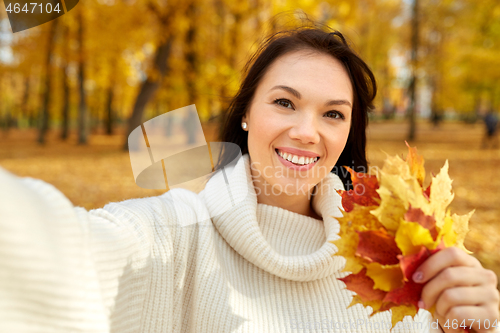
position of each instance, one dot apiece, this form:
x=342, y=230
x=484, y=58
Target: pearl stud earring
x=244, y=125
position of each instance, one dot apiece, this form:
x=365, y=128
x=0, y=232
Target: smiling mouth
x=297, y=159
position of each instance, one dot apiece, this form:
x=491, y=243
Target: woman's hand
x=461, y=290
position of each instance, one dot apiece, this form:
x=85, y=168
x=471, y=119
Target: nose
x=305, y=130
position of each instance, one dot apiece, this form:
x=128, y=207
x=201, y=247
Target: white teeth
x=302, y=160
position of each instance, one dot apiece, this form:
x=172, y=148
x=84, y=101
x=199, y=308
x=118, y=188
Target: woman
x=260, y=260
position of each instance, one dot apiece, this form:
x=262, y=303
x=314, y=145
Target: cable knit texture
x=216, y=261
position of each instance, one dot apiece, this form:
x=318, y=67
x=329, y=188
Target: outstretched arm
x=62, y=268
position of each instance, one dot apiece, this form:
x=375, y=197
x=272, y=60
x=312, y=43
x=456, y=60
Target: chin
x=296, y=187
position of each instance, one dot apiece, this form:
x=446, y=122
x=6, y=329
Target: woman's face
x=298, y=121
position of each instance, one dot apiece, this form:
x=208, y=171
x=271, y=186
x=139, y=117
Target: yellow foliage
x=441, y=195
x=390, y=211
x=461, y=228
x=411, y=236
x=401, y=311
x=414, y=217
x=386, y=277
x=375, y=305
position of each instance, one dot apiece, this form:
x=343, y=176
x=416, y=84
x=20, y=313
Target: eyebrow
x=299, y=96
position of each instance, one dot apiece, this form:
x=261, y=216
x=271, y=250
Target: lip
x=295, y=151
x=293, y=166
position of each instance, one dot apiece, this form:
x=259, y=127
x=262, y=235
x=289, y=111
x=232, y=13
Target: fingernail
x=421, y=304
x=418, y=276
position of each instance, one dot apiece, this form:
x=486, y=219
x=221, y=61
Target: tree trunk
x=66, y=104
x=191, y=70
x=414, y=61
x=149, y=87
x=82, y=107
x=435, y=108
x=109, y=109
x=234, y=38
x=45, y=116
x=191, y=59
x=26, y=97
x=220, y=52
x=66, y=90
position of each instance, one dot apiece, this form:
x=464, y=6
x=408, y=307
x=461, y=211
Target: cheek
x=263, y=132
x=257, y=144
x=336, y=143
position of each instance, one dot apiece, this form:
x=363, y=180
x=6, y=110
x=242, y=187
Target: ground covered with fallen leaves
x=100, y=172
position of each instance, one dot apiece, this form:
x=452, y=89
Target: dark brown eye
x=283, y=102
x=334, y=115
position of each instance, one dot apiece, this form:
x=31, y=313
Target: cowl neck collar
x=232, y=203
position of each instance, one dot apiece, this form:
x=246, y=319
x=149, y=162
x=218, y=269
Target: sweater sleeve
x=63, y=269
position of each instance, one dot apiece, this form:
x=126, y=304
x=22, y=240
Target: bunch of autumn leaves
x=391, y=224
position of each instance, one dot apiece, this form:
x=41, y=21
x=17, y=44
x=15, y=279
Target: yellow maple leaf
x=390, y=211
x=461, y=228
x=395, y=165
x=398, y=189
x=375, y=305
x=446, y=231
x=408, y=190
x=401, y=311
x=441, y=195
x=411, y=236
x=385, y=277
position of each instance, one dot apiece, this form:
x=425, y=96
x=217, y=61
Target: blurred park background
x=71, y=89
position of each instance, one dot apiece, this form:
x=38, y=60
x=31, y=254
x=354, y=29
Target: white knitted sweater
x=147, y=265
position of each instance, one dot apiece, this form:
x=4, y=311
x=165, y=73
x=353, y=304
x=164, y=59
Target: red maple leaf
x=410, y=292
x=363, y=193
x=427, y=192
x=378, y=246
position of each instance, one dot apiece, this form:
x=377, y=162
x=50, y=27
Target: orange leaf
x=416, y=163
x=363, y=193
x=362, y=285
x=378, y=246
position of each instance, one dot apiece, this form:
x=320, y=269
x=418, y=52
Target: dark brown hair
x=315, y=39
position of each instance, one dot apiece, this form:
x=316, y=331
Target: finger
x=462, y=296
x=451, y=256
x=454, y=277
x=477, y=317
